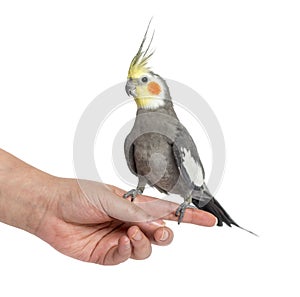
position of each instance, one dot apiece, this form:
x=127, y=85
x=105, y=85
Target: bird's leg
x=182, y=207
x=137, y=191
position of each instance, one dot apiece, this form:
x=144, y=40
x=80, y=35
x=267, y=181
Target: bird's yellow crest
x=138, y=65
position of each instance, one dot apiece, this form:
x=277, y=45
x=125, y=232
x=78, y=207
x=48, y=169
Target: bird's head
x=149, y=90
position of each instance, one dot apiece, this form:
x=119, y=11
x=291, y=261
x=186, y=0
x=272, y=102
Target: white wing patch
x=192, y=167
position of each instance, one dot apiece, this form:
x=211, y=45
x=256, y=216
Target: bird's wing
x=129, y=154
x=187, y=158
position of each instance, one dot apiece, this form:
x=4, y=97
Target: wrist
x=25, y=194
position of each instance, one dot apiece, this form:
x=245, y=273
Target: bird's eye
x=144, y=79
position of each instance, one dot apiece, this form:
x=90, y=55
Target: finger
x=119, y=253
x=195, y=216
x=164, y=209
x=157, y=235
x=141, y=246
x=167, y=209
x=163, y=236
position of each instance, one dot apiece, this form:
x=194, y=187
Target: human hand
x=92, y=222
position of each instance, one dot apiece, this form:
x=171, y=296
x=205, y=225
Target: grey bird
x=159, y=150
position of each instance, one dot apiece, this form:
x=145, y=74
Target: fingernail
x=137, y=235
x=165, y=235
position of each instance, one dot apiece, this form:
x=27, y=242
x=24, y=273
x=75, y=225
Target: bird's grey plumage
x=155, y=149
x=184, y=143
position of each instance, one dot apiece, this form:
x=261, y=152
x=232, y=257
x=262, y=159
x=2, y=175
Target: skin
x=85, y=220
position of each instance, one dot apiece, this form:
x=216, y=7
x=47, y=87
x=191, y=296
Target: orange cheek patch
x=154, y=88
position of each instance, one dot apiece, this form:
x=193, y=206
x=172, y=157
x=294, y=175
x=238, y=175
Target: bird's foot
x=181, y=210
x=133, y=193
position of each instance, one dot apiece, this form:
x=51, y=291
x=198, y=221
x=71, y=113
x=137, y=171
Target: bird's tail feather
x=215, y=208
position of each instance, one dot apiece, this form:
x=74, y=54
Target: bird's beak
x=130, y=88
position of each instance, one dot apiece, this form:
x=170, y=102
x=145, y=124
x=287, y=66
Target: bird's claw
x=181, y=210
x=132, y=193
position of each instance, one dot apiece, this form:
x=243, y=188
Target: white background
x=241, y=56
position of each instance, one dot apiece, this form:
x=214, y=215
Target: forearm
x=24, y=193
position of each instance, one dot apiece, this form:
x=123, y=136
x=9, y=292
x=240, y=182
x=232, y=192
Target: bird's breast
x=154, y=160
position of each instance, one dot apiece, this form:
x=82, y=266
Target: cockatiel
x=159, y=150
